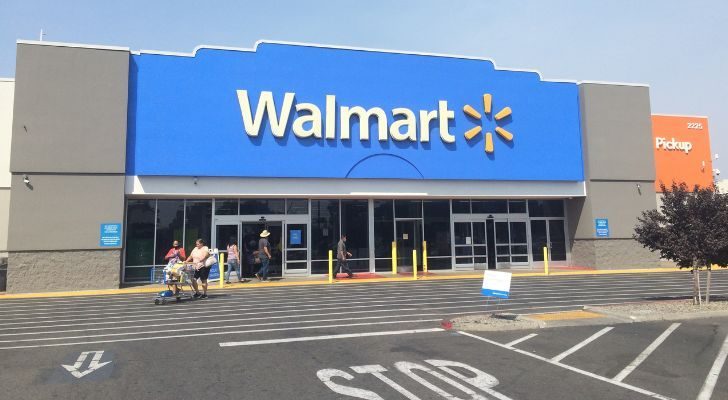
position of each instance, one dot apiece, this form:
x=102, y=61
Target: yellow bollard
x=424, y=257
x=394, y=259
x=545, y=260
x=221, y=266
x=331, y=266
x=414, y=264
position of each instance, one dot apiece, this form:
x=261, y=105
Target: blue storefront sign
x=294, y=237
x=279, y=110
x=602, y=227
x=110, y=235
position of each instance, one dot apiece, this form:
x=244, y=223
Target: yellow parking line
x=566, y=315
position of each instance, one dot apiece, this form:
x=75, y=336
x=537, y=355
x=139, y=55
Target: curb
x=628, y=318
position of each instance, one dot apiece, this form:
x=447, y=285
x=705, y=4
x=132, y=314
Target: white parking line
x=570, y=368
x=523, y=339
x=328, y=337
x=707, y=390
x=645, y=353
x=582, y=344
x=31, y=318
x=189, y=335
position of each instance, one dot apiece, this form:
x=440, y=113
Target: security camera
x=716, y=171
x=26, y=180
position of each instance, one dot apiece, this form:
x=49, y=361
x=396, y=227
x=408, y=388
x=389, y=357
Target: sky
x=678, y=48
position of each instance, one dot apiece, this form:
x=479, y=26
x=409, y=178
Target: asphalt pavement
x=378, y=340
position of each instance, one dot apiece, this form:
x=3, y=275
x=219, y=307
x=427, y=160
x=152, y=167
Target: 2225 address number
x=695, y=125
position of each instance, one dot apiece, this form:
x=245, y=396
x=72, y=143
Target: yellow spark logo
x=499, y=116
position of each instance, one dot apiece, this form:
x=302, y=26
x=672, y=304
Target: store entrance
x=409, y=238
x=250, y=236
x=225, y=235
x=548, y=233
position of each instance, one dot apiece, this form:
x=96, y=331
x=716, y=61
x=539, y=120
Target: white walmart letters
x=309, y=123
x=672, y=145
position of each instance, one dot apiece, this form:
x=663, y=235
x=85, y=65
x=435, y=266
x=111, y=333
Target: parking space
x=673, y=359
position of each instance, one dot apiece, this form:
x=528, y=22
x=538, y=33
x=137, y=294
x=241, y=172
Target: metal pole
x=221, y=266
x=424, y=257
x=394, y=259
x=414, y=264
x=331, y=266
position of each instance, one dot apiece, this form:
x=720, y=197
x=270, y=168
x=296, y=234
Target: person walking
x=264, y=255
x=175, y=254
x=197, y=258
x=233, y=260
x=341, y=256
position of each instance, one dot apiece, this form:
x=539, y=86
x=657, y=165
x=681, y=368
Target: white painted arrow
x=75, y=369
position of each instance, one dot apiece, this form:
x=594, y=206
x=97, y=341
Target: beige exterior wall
x=7, y=91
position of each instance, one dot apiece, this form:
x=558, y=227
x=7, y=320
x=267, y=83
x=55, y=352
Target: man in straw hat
x=264, y=254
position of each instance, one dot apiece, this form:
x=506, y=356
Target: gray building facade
x=68, y=165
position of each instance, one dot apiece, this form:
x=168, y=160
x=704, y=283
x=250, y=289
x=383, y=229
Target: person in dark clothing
x=341, y=256
x=264, y=255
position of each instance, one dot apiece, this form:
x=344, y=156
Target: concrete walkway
x=358, y=279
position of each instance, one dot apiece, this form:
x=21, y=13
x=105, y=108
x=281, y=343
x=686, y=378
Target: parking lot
x=366, y=341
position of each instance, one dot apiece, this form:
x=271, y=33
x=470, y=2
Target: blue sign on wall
x=602, y=227
x=287, y=110
x=294, y=237
x=110, y=235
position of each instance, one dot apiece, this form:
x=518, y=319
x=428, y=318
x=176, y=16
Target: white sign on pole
x=496, y=284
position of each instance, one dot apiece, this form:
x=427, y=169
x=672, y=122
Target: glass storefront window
x=545, y=208
x=383, y=233
x=463, y=233
x=408, y=208
x=198, y=223
x=437, y=230
x=226, y=207
x=297, y=206
x=170, y=225
x=137, y=274
x=538, y=239
x=557, y=239
x=461, y=206
x=517, y=207
x=262, y=206
x=140, y=232
x=490, y=206
x=355, y=224
x=324, y=231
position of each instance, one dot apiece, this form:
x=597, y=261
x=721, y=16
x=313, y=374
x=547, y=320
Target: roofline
x=7, y=79
x=614, y=83
x=368, y=49
x=680, y=115
x=75, y=45
x=317, y=45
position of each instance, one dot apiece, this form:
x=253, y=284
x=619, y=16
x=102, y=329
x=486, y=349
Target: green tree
x=690, y=229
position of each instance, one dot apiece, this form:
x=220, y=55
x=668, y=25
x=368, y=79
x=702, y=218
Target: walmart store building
x=114, y=154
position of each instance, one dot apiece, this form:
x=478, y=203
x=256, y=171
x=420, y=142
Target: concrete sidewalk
x=358, y=279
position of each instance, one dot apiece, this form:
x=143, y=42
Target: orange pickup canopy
x=682, y=150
